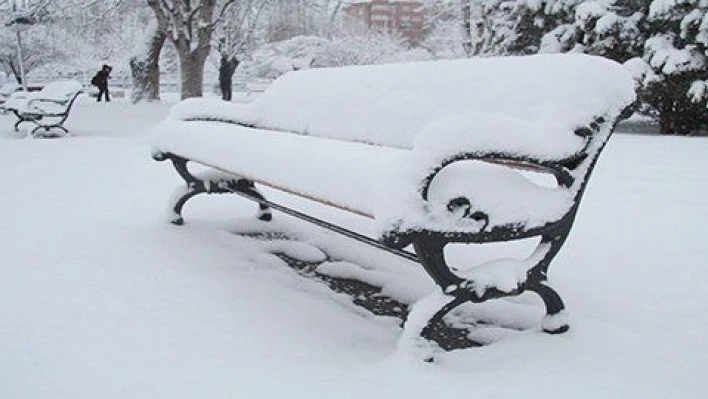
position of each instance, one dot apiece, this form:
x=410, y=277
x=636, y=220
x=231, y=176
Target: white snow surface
x=101, y=298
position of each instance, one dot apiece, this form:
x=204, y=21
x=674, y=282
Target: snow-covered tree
x=17, y=57
x=672, y=72
x=36, y=51
x=189, y=26
x=236, y=38
x=610, y=28
x=501, y=27
x=291, y=18
x=664, y=43
x=145, y=65
x=605, y=27
x=74, y=37
x=444, y=35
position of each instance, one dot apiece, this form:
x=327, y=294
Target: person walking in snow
x=101, y=81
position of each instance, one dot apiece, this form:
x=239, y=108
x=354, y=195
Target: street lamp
x=20, y=20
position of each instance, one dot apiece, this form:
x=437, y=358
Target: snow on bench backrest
x=390, y=104
x=62, y=90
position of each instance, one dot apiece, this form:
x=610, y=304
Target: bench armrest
x=479, y=193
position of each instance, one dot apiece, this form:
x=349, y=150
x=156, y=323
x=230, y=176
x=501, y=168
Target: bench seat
x=37, y=106
x=357, y=177
x=291, y=159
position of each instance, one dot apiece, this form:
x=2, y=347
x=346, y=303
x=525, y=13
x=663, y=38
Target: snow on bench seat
x=346, y=173
x=353, y=176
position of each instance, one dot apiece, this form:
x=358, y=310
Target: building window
x=380, y=7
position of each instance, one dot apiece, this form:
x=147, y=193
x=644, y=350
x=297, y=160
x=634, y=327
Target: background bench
x=257, y=87
x=434, y=153
x=47, y=108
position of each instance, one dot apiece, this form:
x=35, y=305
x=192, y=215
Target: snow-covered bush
x=663, y=42
x=599, y=27
x=672, y=71
x=36, y=50
x=604, y=27
x=275, y=59
x=361, y=50
x=303, y=52
x=494, y=26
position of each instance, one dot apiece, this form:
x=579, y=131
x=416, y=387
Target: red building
x=402, y=17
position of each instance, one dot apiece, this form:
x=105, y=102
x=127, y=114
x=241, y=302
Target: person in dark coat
x=101, y=81
x=226, y=72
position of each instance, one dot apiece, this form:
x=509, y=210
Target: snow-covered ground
x=101, y=298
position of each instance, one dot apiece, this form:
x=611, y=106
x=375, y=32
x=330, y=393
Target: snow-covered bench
x=257, y=87
x=47, y=108
x=434, y=152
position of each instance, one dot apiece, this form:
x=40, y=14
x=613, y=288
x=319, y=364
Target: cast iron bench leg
x=47, y=128
x=196, y=186
x=20, y=119
x=555, y=321
x=430, y=251
x=191, y=191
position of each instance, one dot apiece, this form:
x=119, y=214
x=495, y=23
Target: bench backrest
x=390, y=104
x=60, y=91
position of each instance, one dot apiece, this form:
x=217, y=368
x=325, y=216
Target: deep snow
x=100, y=297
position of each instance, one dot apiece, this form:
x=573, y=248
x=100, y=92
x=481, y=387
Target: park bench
x=257, y=87
x=47, y=108
x=434, y=153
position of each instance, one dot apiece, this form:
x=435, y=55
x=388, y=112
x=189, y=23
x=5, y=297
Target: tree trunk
x=15, y=72
x=190, y=26
x=467, y=29
x=145, y=70
x=192, y=74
